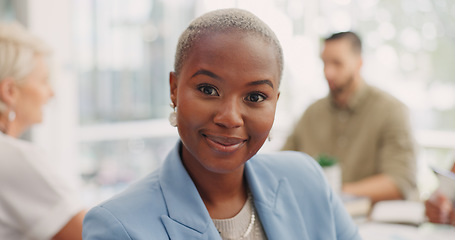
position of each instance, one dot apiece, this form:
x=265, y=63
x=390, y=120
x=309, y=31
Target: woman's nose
x=229, y=114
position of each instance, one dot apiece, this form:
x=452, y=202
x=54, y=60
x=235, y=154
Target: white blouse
x=35, y=201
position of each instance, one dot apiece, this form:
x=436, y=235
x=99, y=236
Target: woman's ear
x=8, y=91
x=173, y=87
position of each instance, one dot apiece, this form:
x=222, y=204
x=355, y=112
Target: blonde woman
x=35, y=203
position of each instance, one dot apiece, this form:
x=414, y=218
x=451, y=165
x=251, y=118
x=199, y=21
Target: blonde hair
x=18, y=48
x=224, y=20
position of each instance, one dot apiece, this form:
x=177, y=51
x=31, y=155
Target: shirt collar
x=356, y=100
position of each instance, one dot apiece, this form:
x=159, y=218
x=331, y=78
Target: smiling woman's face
x=226, y=95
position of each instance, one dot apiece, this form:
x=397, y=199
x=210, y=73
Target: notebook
x=399, y=211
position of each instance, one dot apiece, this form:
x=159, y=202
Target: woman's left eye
x=255, y=97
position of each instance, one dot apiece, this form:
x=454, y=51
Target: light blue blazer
x=291, y=196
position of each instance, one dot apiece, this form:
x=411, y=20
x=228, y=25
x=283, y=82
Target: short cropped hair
x=224, y=20
x=352, y=37
x=18, y=48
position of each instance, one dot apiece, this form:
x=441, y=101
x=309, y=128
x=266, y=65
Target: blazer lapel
x=275, y=203
x=188, y=217
x=179, y=231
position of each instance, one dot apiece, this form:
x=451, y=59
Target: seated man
x=364, y=128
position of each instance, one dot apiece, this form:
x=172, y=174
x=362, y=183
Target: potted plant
x=331, y=170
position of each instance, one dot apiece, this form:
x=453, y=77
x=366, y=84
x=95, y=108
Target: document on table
x=446, y=182
x=387, y=231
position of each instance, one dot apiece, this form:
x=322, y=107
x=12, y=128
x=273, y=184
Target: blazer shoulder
x=145, y=192
x=136, y=211
x=100, y=223
x=291, y=164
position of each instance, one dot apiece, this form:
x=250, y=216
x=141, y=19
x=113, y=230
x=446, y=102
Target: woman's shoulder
x=142, y=194
x=295, y=166
x=16, y=148
x=287, y=161
x=19, y=156
x=132, y=212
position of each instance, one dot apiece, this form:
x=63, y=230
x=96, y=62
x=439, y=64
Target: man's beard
x=341, y=89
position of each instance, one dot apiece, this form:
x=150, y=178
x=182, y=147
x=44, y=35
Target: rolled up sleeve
x=397, y=152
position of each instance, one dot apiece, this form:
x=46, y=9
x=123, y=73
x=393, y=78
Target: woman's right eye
x=208, y=90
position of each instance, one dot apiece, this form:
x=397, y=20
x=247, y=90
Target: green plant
x=326, y=160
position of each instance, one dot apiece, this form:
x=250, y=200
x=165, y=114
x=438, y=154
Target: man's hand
x=439, y=209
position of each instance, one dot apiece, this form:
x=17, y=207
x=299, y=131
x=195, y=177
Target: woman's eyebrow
x=260, y=82
x=216, y=77
x=207, y=73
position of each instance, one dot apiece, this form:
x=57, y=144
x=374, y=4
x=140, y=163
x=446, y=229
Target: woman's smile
x=224, y=144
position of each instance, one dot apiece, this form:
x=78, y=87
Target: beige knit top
x=245, y=225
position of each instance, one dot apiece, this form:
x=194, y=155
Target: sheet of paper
x=386, y=231
x=383, y=231
x=446, y=182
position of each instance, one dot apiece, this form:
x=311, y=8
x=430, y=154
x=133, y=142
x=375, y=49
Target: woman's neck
x=12, y=129
x=224, y=194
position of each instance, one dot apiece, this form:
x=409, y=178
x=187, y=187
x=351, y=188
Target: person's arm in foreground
x=73, y=229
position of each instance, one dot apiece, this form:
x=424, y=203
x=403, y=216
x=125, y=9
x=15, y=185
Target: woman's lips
x=224, y=144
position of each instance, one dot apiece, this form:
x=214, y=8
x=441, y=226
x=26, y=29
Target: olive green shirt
x=371, y=136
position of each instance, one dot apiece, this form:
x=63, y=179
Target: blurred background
x=108, y=126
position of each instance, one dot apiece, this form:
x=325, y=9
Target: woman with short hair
x=213, y=185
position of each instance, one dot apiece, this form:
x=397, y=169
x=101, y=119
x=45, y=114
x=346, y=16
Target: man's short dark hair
x=352, y=37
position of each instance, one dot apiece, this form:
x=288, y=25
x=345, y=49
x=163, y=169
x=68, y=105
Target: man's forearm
x=378, y=187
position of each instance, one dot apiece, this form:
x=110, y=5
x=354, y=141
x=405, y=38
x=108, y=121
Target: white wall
x=51, y=21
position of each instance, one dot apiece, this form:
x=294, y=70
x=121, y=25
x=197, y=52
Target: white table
x=387, y=231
